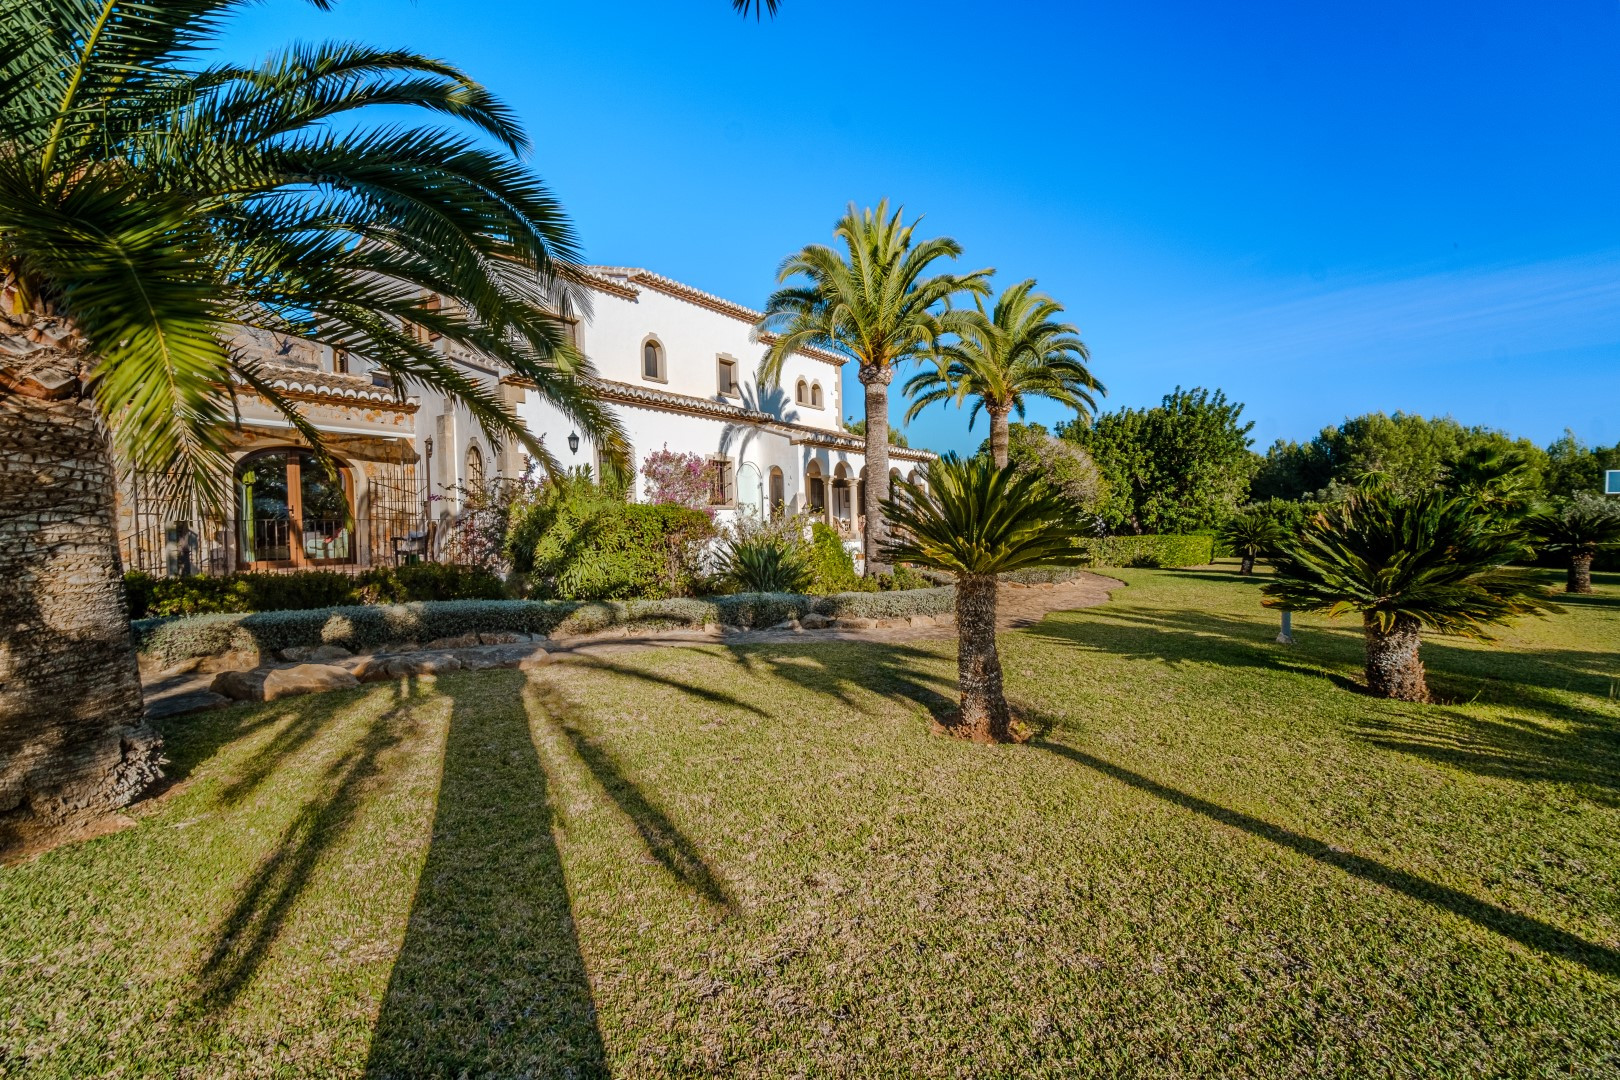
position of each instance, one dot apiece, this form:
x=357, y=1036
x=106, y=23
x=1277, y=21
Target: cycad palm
x=147, y=206
x=1578, y=529
x=1432, y=562
x=1019, y=349
x=976, y=521
x=876, y=303
x=1251, y=535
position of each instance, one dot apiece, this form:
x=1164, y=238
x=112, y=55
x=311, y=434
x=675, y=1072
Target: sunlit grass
x=1216, y=858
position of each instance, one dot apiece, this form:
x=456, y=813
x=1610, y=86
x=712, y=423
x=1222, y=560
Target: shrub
x=306, y=589
x=381, y=625
x=832, y=569
x=600, y=549
x=1165, y=550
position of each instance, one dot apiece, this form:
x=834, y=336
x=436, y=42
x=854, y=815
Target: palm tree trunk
x=1393, y=667
x=999, y=434
x=1247, y=565
x=1580, y=572
x=73, y=743
x=983, y=716
x=875, y=378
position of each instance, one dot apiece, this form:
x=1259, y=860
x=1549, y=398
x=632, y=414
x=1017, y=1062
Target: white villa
x=675, y=364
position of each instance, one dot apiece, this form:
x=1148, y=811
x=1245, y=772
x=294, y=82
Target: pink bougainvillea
x=678, y=479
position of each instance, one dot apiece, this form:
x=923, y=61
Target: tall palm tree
x=149, y=205
x=1017, y=350
x=1432, y=562
x=1578, y=529
x=875, y=303
x=976, y=521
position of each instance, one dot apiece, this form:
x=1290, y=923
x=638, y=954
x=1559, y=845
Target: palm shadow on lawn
x=1530, y=932
x=490, y=980
x=1558, y=740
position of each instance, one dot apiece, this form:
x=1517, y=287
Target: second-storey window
x=726, y=376
x=652, y=361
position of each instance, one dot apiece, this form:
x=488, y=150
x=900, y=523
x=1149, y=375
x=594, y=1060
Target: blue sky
x=1323, y=209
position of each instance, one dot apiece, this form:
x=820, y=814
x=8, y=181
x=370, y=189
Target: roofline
x=669, y=401
x=607, y=279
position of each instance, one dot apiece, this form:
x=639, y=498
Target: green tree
x=1430, y=562
x=858, y=427
x=876, y=303
x=1573, y=467
x=1065, y=467
x=1017, y=350
x=148, y=206
x=1180, y=466
x=1578, y=528
x=976, y=521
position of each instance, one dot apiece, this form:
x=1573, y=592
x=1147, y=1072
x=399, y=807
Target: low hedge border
x=169, y=641
x=1155, y=550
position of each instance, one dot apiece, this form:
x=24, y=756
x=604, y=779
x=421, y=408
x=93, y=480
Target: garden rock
x=306, y=679
x=460, y=641
x=297, y=654
x=850, y=622
x=815, y=621
x=502, y=639
x=325, y=653
x=240, y=685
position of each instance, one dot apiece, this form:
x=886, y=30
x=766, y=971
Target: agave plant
x=975, y=521
x=1433, y=562
x=766, y=564
x=150, y=205
x=1578, y=529
x=1252, y=535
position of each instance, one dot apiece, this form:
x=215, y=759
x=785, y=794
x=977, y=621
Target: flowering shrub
x=678, y=479
x=477, y=536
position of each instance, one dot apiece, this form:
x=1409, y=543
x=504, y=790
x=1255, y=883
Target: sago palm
x=1432, y=562
x=149, y=205
x=1018, y=349
x=1578, y=529
x=1251, y=535
x=876, y=302
x=976, y=521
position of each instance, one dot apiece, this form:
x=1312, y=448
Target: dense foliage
x=1065, y=466
x=247, y=592
x=598, y=548
x=1180, y=466
x=1190, y=549
x=678, y=479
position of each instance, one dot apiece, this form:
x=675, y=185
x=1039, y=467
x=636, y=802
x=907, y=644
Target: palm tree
x=1432, y=562
x=1252, y=535
x=977, y=521
x=1579, y=529
x=149, y=205
x=874, y=303
x=1017, y=350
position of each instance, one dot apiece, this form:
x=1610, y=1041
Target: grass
x=1215, y=858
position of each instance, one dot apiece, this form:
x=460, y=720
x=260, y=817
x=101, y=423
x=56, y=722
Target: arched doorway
x=292, y=512
x=778, y=496
x=842, y=505
x=815, y=489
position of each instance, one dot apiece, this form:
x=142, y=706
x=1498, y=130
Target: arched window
x=815, y=395
x=475, y=464
x=842, y=506
x=291, y=511
x=801, y=394
x=652, y=360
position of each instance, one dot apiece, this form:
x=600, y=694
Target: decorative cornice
x=669, y=401
x=328, y=387
x=856, y=444
x=619, y=280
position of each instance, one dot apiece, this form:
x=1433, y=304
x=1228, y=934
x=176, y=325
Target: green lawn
x=1215, y=858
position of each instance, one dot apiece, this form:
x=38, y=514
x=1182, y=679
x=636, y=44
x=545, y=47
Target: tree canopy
x=1180, y=466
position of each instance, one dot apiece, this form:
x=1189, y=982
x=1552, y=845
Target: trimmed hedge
x=1160, y=550
x=306, y=589
x=377, y=626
